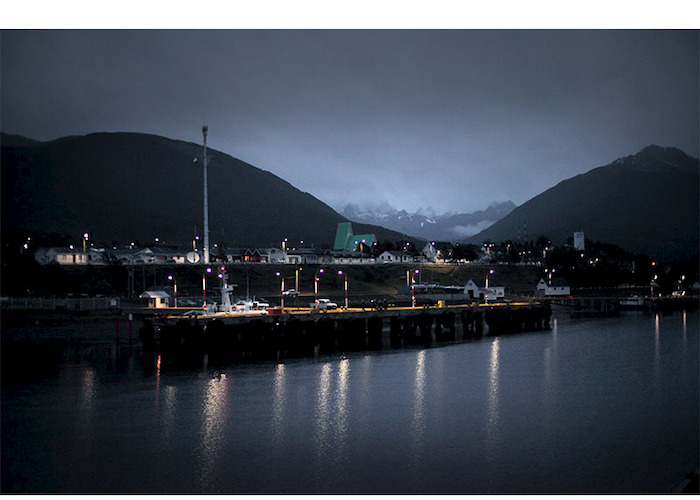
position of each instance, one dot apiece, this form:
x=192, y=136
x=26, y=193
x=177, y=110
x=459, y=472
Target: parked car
x=290, y=293
x=324, y=304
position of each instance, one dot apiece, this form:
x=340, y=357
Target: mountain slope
x=446, y=227
x=646, y=203
x=127, y=186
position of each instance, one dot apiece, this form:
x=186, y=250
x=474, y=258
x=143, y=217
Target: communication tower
x=205, y=160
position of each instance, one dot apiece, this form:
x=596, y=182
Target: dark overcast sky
x=452, y=120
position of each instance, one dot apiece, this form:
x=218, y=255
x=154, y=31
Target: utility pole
x=205, y=129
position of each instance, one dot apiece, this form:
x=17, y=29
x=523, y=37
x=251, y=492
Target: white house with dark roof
x=477, y=292
x=556, y=287
x=156, y=299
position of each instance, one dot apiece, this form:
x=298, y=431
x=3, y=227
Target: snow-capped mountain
x=426, y=224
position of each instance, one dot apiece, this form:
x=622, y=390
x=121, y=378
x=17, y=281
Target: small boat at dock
x=633, y=302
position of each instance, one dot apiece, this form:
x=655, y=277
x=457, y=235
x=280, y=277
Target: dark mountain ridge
x=645, y=203
x=127, y=186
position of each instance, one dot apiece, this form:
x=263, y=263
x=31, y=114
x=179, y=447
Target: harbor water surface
x=605, y=405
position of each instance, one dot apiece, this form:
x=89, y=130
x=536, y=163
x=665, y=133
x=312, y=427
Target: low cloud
x=471, y=230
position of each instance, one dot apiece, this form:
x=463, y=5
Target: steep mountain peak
x=351, y=210
x=660, y=151
x=654, y=155
x=646, y=202
x=669, y=156
x=449, y=226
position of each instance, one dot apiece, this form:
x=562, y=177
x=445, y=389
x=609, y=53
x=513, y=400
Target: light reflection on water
x=590, y=406
x=89, y=394
x=342, y=411
x=215, y=417
x=280, y=401
x=323, y=422
x=493, y=432
x=417, y=429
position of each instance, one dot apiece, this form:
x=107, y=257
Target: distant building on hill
x=69, y=256
x=345, y=239
x=579, y=241
x=392, y=256
x=430, y=252
x=60, y=255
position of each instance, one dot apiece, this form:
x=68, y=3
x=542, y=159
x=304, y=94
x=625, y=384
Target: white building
x=430, y=252
x=276, y=255
x=46, y=256
x=393, y=257
x=579, y=241
x=476, y=292
x=557, y=287
x=156, y=300
x=69, y=256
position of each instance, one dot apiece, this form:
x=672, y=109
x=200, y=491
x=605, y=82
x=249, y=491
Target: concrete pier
x=294, y=335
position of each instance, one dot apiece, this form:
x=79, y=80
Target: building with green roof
x=346, y=240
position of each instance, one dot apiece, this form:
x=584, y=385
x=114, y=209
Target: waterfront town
x=150, y=274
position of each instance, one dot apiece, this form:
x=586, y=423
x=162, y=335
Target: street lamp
x=680, y=284
x=85, y=238
x=282, y=289
x=170, y=277
x=486, y=291
x=204, y=288
x=413, y=287
x=346, y=287
x=316, y=286
x=549, y=275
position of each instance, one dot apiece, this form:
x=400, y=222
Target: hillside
x=645, y=203
x=125, y=186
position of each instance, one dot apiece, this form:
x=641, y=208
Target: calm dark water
x=591, y=406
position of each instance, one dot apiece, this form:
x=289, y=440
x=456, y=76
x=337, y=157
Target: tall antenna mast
x=205, y=129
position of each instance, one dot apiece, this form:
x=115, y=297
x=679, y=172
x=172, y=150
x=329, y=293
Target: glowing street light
x=278, y=274
x=340, y=273
x=316, y=285
x=412, y=285
x=170, y=277
x=85, y=238
x=549, y=274
x=486, y=291
x=204, y=288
